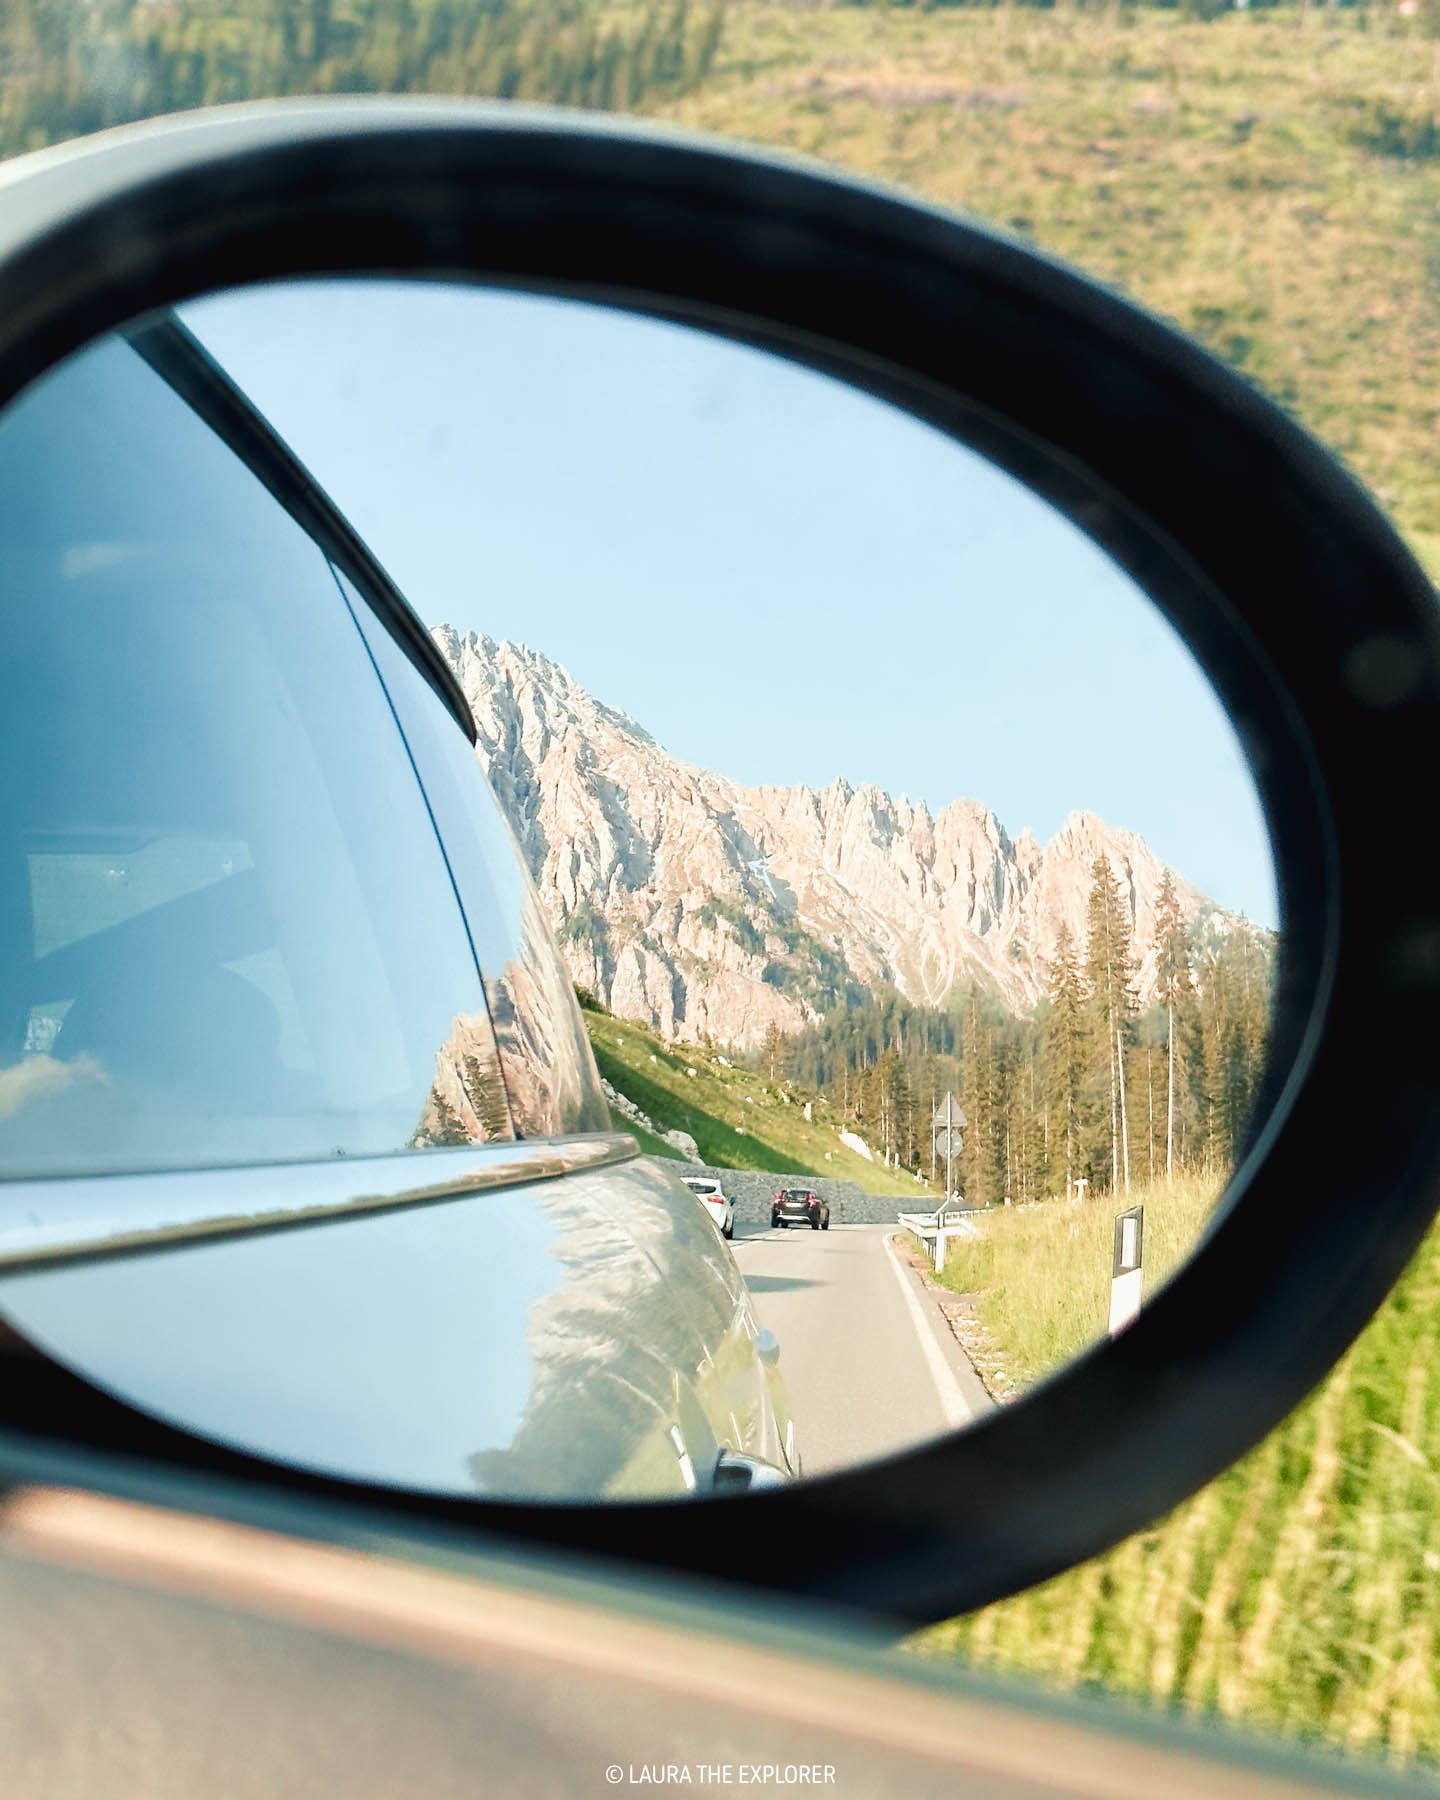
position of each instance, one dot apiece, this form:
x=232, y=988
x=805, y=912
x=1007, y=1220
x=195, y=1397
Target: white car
x=715, y=1200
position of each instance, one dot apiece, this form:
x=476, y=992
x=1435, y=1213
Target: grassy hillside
x=1268, y=178
x=1276, y=191
x=738, y=1119
x=1300, y=1591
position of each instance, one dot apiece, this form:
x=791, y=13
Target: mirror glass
x=842, y=827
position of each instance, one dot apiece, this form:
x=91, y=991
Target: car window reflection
x=551, y=1081
x=229, y=932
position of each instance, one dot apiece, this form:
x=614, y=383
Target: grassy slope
x=1259, y=185
x=735, y=1116
x=1040, y=1275
x=1245, y=178
x=1300, y=1591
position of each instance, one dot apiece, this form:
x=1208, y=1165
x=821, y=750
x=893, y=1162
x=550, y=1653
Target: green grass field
x=736, y=1117
x=1275, y=191
x=1299, y=1592
x=1040, y=1275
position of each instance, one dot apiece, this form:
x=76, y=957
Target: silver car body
x=302, y=1145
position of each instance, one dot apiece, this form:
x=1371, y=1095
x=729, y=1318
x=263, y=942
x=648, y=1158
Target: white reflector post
x=1126, y=1274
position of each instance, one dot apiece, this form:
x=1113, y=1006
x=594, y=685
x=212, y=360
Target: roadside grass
x=1300, y=1591
x=1273, y=190
x=736, y=1116
x=1276, y=192
x=1039, y=1275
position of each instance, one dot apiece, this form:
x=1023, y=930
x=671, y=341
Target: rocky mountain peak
x=706, y=907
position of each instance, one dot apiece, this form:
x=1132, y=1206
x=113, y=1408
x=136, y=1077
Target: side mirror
x=1306, y=616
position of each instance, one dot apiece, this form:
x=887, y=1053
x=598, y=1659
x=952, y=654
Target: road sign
x=947, y=1131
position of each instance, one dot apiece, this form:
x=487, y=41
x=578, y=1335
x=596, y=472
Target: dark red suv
x=799, y=1206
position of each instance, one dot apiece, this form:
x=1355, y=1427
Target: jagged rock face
x=704, y=907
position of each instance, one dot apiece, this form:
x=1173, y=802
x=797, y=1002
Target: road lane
x=870, y=1365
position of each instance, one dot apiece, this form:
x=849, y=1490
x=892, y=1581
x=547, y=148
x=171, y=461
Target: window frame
x=184, y=365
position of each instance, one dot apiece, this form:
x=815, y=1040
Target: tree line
x=1088, y=1087
x=74, y=66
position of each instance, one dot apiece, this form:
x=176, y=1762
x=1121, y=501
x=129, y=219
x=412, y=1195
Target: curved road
x=870, y=1364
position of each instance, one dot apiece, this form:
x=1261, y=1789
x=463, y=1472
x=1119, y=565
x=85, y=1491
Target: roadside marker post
x=1127, y=1274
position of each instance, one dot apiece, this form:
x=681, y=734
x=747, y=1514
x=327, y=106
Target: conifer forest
x=1091, y=1086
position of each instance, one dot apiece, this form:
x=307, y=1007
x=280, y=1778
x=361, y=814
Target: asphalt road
x=870, y=1364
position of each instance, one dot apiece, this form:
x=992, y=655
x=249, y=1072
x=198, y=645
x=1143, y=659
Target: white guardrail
x=940, y=1226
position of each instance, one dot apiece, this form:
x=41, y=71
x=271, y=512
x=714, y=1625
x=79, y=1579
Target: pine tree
x=1110, y=993
x=978, y=1101
x=1237, y=1009
x=1197, y=1144
x=447, y=1127
x=1173, y=986
x=707, y=43
x=1063, y=1056
x=484, y=1088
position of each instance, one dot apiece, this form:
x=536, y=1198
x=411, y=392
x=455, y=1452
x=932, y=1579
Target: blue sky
x=778, y=577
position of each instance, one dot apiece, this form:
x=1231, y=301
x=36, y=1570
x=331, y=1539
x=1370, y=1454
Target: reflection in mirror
x=907, y=871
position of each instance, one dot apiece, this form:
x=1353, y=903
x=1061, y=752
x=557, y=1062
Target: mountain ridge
x=710, y=908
